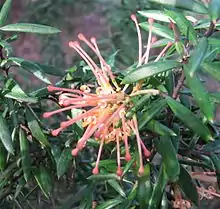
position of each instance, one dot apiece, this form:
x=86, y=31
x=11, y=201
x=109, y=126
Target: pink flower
x=104, y=107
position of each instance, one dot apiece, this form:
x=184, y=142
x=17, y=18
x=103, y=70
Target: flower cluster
x=104, y=109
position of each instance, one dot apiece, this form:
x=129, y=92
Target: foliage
x=167, y=97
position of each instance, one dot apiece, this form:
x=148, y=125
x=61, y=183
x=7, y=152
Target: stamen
x=134, y=18
x=147, y=53
x=67, y=123
x=147, y=153
x=95, y=171
x=134, y=126
x=49, y=114
x=169, y=44
x=125, y=137
x=119, y=170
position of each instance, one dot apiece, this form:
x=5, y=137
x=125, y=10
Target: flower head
x=104, y=107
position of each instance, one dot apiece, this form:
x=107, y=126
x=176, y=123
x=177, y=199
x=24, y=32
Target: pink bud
x=95, y=171
x=75, y=152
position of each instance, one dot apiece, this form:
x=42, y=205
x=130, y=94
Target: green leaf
x=198, y=56
x=3, y=157
x=30, y=28
x=150, y=69
x=183, y=24
x=214, y=10
x=212, y=69
x=190, y=120
x=216, y=162
x=14, y=91
x=7, y=47
x=64, y=162
x=4, y=11
x=159, y=128
x=215, y=97
x=140, y=103
x=158, y=190
x=200, y=94
x=51, y=70
x=116, y=186
x=187, y=185
x=145, y=189
x=159, y=30
x=154, y=109
x=156, y=14
x=109, y=204
x=104, y=177
x=169, y=158
x=31, y=67
x=36, y=129
x=43, y=178
x=5, y=135
x=190, y=5
x=25, y=158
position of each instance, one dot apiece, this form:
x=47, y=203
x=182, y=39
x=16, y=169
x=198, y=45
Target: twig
x=178, y=86
x=210, y=30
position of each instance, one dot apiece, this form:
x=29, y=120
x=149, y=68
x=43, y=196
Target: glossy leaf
x=169, y=158
x=212, y=69
x=189, y=119
x=116, y=186
x=25, y=158
x=198, y=56
x=200, y=94
x=154, y=109
x=43, y=178
x=5, y=135
x=35, y=129
x=191, y=5
x=64, y=162
x=104, y=177
x=109, y=204
x=159, y=128
x=215, y=97
x=51, y=70
x=214, y=10
x=3, y=157
x=183, y=24
x=159, y=30
x=30, y=28
x=156, y=14
x=15, y=92
x=31, y=67
x=158, y=190
x=187, y=186
x=4, y=11
x=151, y=69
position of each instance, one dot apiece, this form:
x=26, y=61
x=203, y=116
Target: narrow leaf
x=154, y=109
x=189, y=119
x=187, y=185
x=183, y=24
x=5, y=135
x=212, y=69
x=44, y=180
x=25, y=158
x=200, y=94
x=150, y=69
x=30, y=28
x=64, y=162
x=35, y=129
x=116, y=186
x=190, y=5
x=169, y=158
x=159, y=30
x=214, y=10
x=3, y=157
x=109, y=204
x=4, y=11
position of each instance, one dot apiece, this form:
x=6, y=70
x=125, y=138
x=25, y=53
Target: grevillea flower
x=106, y=106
